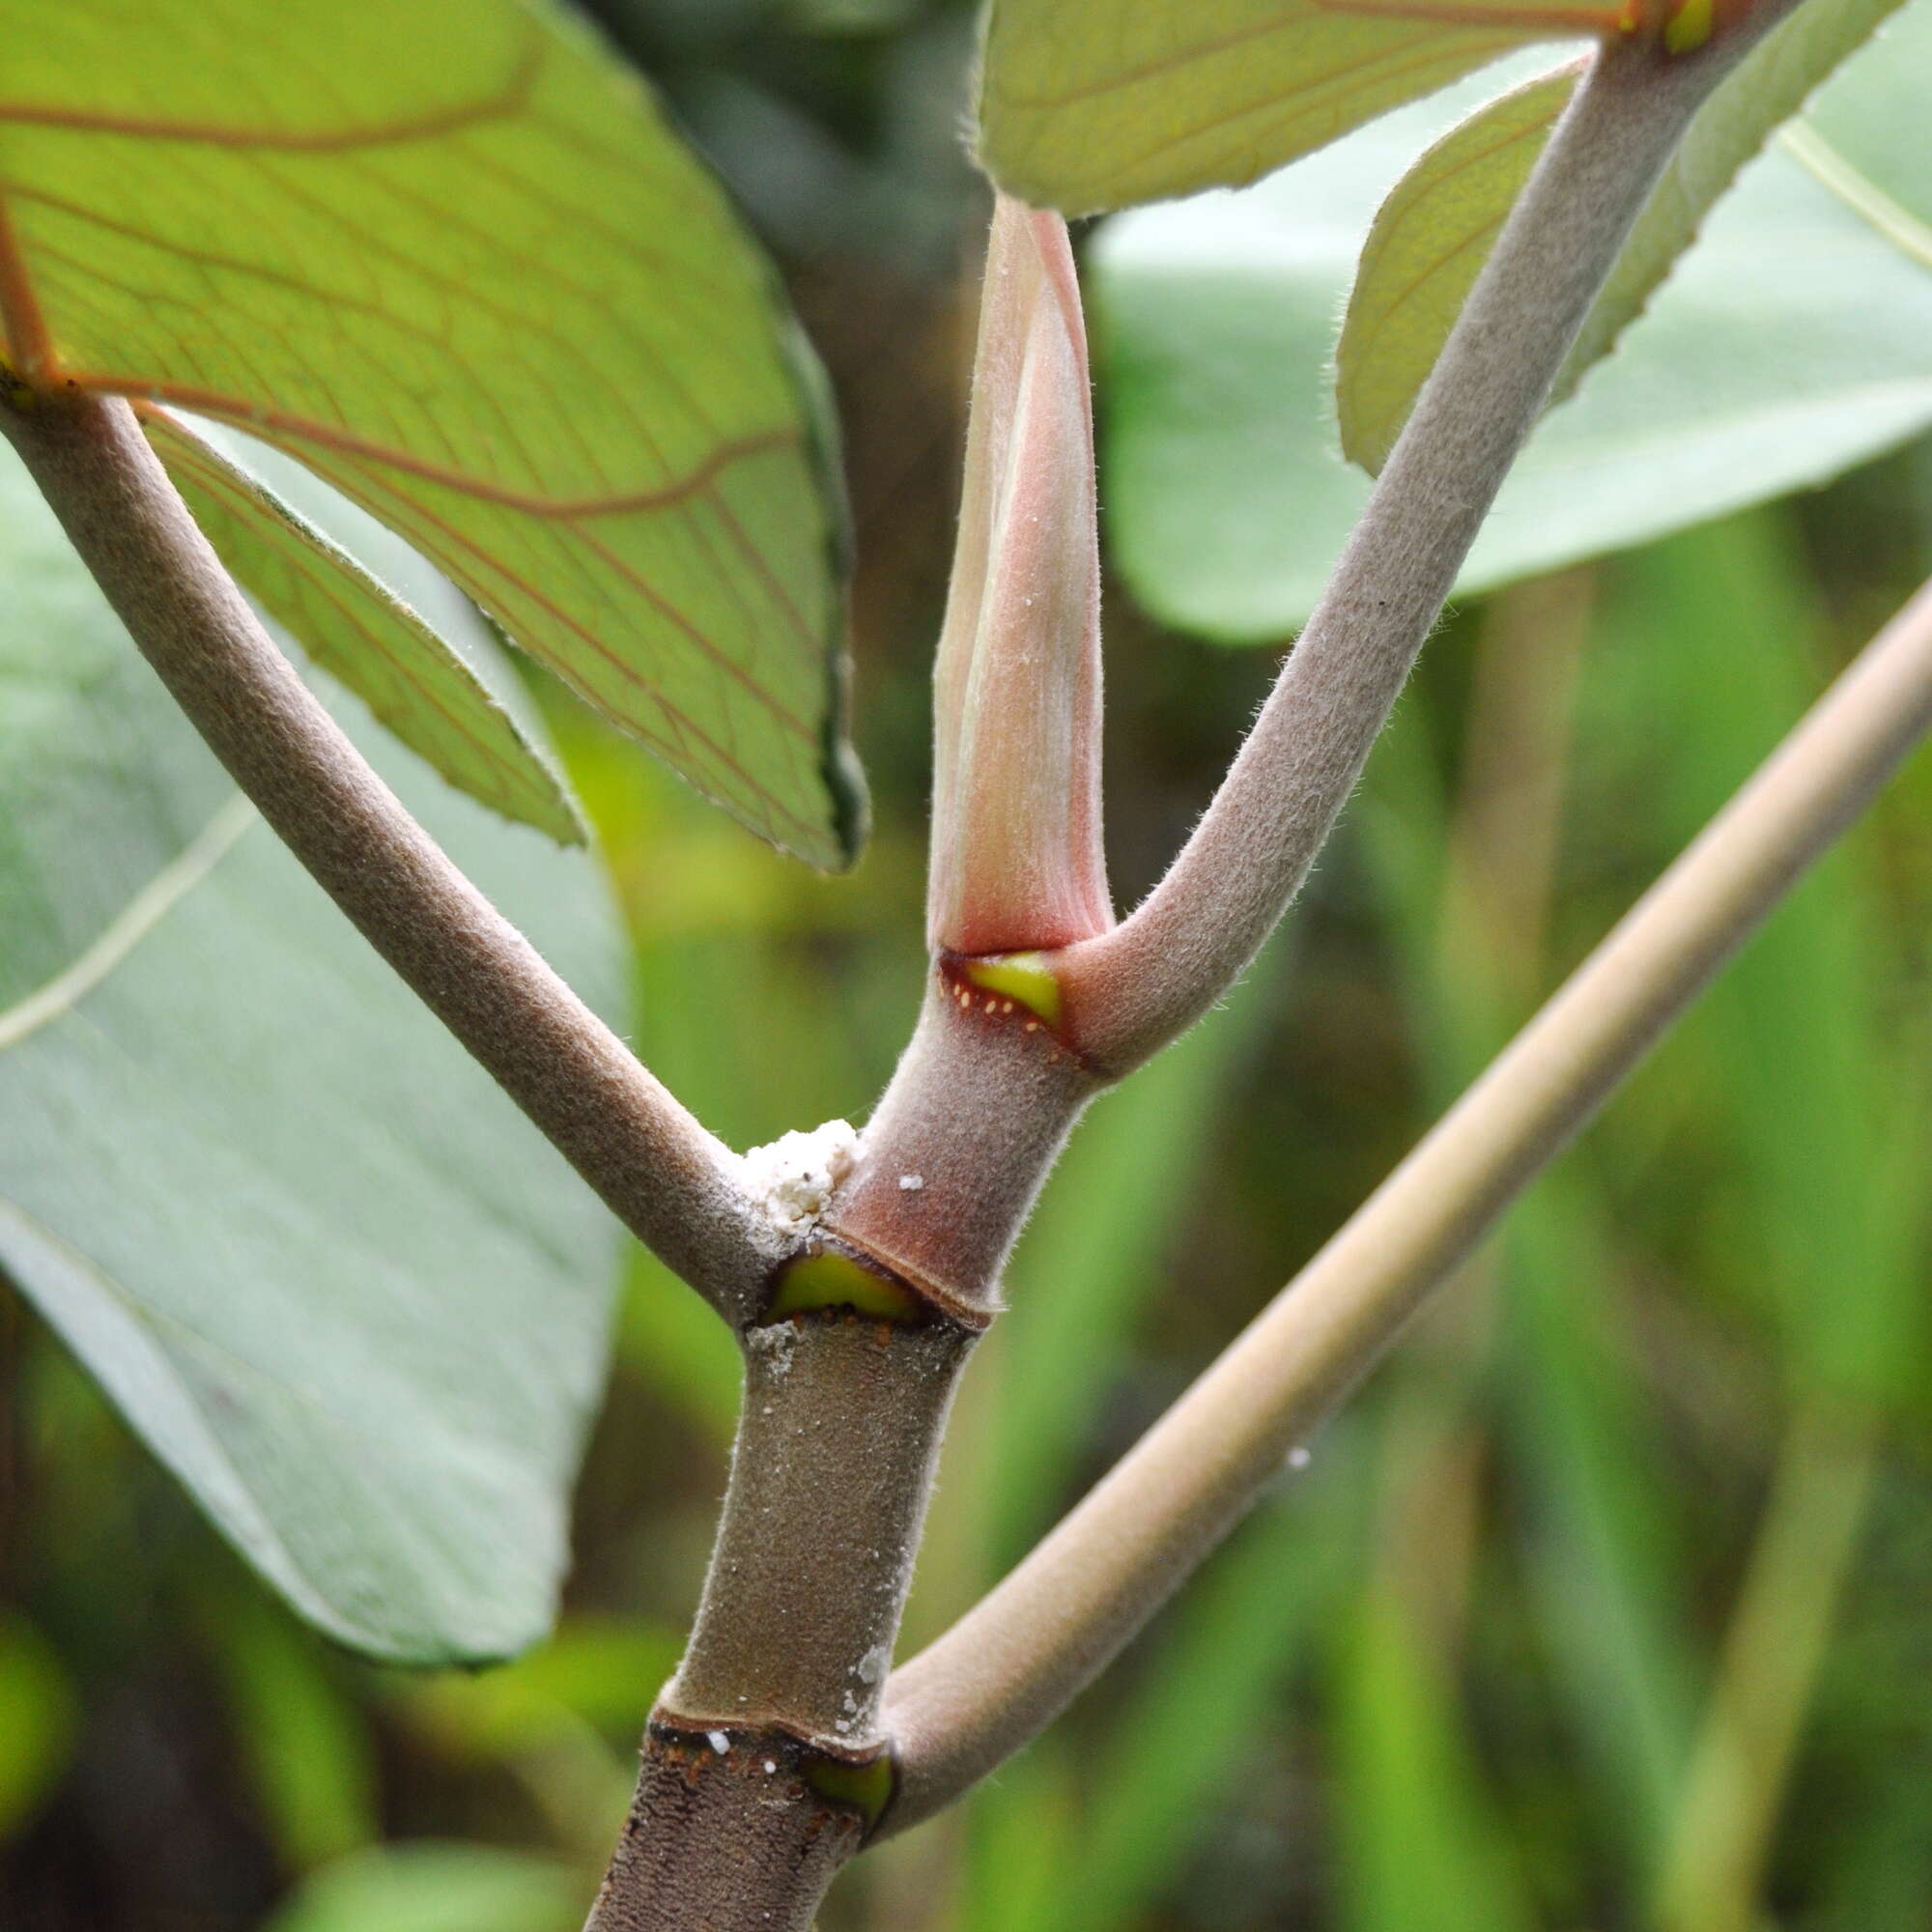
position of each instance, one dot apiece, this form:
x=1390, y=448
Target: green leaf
x=1877, y=121
x=1432, y=235
x=455, y=260
x=365, y=637
x=1430, y=241
x=36, y=1719
x=430, y=1887
x=1794, y=341
x=339, y=1284
x=1091, y=104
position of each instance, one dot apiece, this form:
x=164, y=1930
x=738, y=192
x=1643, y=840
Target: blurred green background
x=1609, y=1604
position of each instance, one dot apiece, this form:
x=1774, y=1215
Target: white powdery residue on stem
x=794, y=1178
x=775, y=1341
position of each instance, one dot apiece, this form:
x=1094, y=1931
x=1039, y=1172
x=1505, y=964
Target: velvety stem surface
x=764, y=1765
x=830, y=1475
x=960, y=1142
x=1137, y=987
x=722, y=1841
x=661, y=1173
x=1014, y=1662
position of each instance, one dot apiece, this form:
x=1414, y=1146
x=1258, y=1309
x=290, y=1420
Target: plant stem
x=1712, y=1866
x=667, y=1179
x=831, y=1474
x=1001, y=1674
x=764, y=1763
x=1138, y=986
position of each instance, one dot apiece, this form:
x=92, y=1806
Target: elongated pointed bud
x=1017, y=863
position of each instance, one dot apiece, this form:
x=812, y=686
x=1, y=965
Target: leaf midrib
x=145, y=908
x=1856, y=190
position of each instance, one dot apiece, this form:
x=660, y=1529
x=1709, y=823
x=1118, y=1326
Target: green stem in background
x=1001, y=1674
x=667, y=1179
x=1713, y=1863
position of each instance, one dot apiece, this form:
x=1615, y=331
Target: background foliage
x=1665, y=1452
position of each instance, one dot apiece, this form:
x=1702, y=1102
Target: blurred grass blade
x=1020, y=1840
x=1713, y=1869
x=1434, y=233
x=428, y=1887
x=310, y=1763
x=1830, y=1211
x=362, y=634
x=1422, y=1849
x=1608, y=1549
x=1827, y=1143
x=37, y=1720
x=457, y=263
x=1213, y=1681
x=1092, y=105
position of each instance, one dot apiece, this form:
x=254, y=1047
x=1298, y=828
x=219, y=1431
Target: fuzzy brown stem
x=723, y=1841
x=667, y=1179
x=831, y=1474
x=959, y=1144
x=764, y=1766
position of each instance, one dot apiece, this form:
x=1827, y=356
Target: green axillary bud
x=864, y=1789
x=1024, y=977
x=1689, y=27
x=827, y=1279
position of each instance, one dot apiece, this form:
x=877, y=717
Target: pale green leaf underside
x=364, y=635
x=1432, y=235
x=1430, y=239
x=453, y=259
x=324, y=1269
x=1092, y=105
x=1794, y=341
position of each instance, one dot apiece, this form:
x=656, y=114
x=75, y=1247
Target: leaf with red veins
x=1017, y=863
x=1093, y=104
x=456, y=261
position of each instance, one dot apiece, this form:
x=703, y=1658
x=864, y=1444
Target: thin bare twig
x=1006, y=1668
x=665, y=1176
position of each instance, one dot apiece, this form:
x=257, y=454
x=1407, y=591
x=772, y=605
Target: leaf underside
x=338, y=1284
x=359, y=632
x=1093, y=104
x=1428, y=242
x=1794, y=341
x=456, y=263
x=1434, y=233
